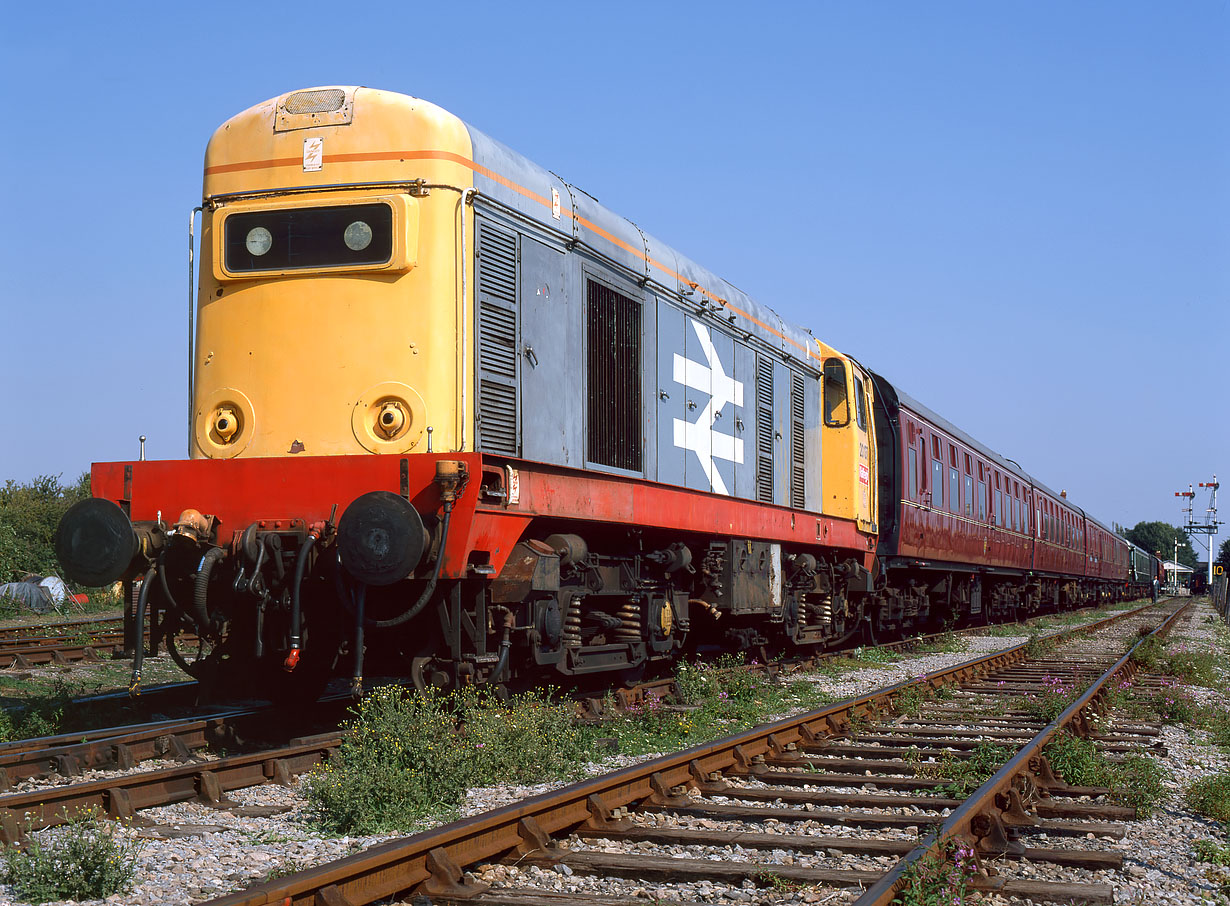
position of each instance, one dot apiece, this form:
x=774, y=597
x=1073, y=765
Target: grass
x=84, y=859
x=1136, y=781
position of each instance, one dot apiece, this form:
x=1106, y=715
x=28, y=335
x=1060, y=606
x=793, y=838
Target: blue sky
x=1017, y=211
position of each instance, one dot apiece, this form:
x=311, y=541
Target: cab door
x=848, y=457
x=866, y=488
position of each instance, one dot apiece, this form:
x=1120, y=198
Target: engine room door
x=552, y=368
x=669, y=394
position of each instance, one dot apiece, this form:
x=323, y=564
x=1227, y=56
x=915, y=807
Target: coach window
x=982, y=500
x=969, y=496
x=1025, y=514
x=836, y=398
x=937, y=475
x=913, y=474
x=954, y=491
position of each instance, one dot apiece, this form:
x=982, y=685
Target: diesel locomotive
x=453, y=419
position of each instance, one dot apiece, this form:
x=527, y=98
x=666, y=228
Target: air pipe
x=138, y=659
x=296, y=612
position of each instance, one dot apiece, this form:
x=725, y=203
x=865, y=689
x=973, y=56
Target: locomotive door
x=552, y=413
x=670, y=395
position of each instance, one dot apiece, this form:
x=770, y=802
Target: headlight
x=259, y=241
x=358, y=236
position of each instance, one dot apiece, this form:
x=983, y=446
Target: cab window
x=836, y=400
x=860, y=407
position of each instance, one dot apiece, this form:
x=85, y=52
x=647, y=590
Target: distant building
x=1178, y=576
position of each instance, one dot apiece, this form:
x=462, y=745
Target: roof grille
x=323, y=100
x=314, y=107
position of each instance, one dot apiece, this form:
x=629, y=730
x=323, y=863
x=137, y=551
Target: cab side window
x=860, y=407
x=836, y=400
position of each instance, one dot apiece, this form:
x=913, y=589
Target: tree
x=1159, y=538
x=1223, y=556
x=29, y=515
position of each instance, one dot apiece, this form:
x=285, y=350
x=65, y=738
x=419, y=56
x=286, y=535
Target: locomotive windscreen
x=294, y=238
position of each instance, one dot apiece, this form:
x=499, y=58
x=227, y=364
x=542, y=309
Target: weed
x=1216, y=721
x=528, y=738
x=1210, y=851
x=285, y=869
x=947, y=642
x=404, y=758
x=910, y=701
x=1137, y=781
x=83, y=859
x=1210, y=796
x=776, y=882
x=1054, y=698
x=1037, y=647
x=964, y=775
x=943, y=878
x=1189, y=665
x=967, y=774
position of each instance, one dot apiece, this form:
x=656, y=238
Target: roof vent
x=315, y=107
x=318, y=100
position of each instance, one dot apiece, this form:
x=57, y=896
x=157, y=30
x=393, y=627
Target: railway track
x=186, y=740
x=830, y=786
x=857, y=776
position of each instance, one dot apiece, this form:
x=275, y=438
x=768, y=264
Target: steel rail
x=639, y=693
x=985, y=820
x=63, y=627
x=58, y=655
x=120, y=797
x=432, y=862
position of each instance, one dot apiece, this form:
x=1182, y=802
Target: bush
x=1210, y=796
x=29, y=514
x=408, y=756
x=81, y=860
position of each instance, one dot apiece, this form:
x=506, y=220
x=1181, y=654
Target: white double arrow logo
x=699, y=436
